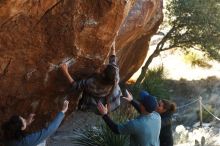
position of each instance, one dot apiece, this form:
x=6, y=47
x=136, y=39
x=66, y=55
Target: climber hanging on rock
x=100, y=87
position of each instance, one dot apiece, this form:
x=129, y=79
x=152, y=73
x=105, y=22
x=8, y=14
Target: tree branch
x=153, y=55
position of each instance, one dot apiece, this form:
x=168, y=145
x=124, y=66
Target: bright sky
x=177, y=68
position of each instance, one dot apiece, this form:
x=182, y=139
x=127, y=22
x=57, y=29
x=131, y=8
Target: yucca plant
x=101, y=135
x=90, y=136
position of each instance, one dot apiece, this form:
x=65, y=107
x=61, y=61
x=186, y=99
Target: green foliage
x=195, y=24
x=189, y=24
x=196, y=60
x=154, y=83
x=101, y=135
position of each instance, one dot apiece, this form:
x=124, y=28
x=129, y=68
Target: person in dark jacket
x=166, y=109
x=14, y=130
x=99, y=87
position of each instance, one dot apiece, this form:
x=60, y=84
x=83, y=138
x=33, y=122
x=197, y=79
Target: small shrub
x=154, y=83
x=197, y=60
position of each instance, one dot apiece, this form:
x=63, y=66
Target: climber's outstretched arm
x=65, y=71
x=113, y=49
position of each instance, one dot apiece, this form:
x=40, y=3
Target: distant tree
x=189, y=24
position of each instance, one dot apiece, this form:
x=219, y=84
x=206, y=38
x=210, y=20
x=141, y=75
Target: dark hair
x=12, y=128
x=109, y=74
x=169, y=106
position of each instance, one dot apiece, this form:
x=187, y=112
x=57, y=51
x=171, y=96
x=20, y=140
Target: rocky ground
x=64, y=135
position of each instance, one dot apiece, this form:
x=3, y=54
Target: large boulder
x=36, y=35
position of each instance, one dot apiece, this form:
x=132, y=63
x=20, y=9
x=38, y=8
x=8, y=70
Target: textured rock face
x=36, y=35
